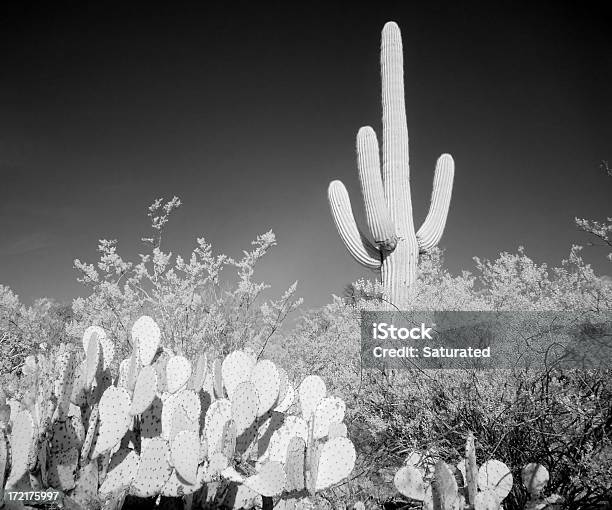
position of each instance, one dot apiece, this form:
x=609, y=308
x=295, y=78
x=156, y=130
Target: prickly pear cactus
x=22, y=441
x=115, y=419
x=437, y=488
x=147, y=336
x=153, y=469
x=535, y=477
x=145, y=390
x=178, y=373
x=159, y=427
x=335, y=463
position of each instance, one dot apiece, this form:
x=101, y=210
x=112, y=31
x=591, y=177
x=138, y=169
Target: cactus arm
x=356, y=243
x=370, y=178
x=432, y=228
x=396, y=169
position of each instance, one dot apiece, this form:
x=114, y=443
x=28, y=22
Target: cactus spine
x=386, y=196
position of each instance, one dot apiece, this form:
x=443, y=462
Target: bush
x=25, y=329
x=186, y=296
x=561, y=419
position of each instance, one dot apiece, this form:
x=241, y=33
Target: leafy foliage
x=561, y=419
x=24, y=329
x=186, y=296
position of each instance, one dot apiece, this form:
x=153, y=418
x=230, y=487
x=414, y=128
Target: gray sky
x=247, y=114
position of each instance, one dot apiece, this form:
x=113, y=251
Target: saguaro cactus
x=387, y=200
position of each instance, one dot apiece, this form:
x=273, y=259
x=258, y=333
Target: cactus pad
x=108, y=348
x=423, y=461
x=269, y=481
x=121, y=471
x=87, y=334
x=487, y=500
x=115, y=419
x=151, y=420
x=178, y=372
x=66, y=367
x=92, y=360
x=328, y=410
x=235, y=369
x=337, y=430
x=409, y=482
x=428, y=502
x=103, y=380
x=471, y=468
x=62, y=468
x=535, y=478
x=336, y=462
x=146, y=333
x=133, y=367
x=180, y=412
x=311, y=392
x=203, y=453
x=176, y=486
x=217, y=462
x=153, y=469
x=22, y=440
x=266, y=380
x=284, y=404
x=190, y=402
x=245, y=404
x=246, y=440
x=240, y=496
x=144, y=391
x=181, y=422
x=294, y=426
x=217, y=379
x=228, y=439
x=14, y=405
x=64, y=437
x=115, y=402
x=495, y=475
x=229, y=473
x=92, y=429
x=124, y=370
x=444, y=488
x=219, y=412
x=167, y=412
x=86, y=491
x=294, y=465
x=184, y=454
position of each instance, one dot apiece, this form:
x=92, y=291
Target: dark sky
x=247, y=111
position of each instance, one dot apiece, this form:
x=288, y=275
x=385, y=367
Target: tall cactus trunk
x=386, y=195
x=398, y=272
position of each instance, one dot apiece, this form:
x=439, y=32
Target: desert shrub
x=561, y=419
x=24, y=328
x=196, y=307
